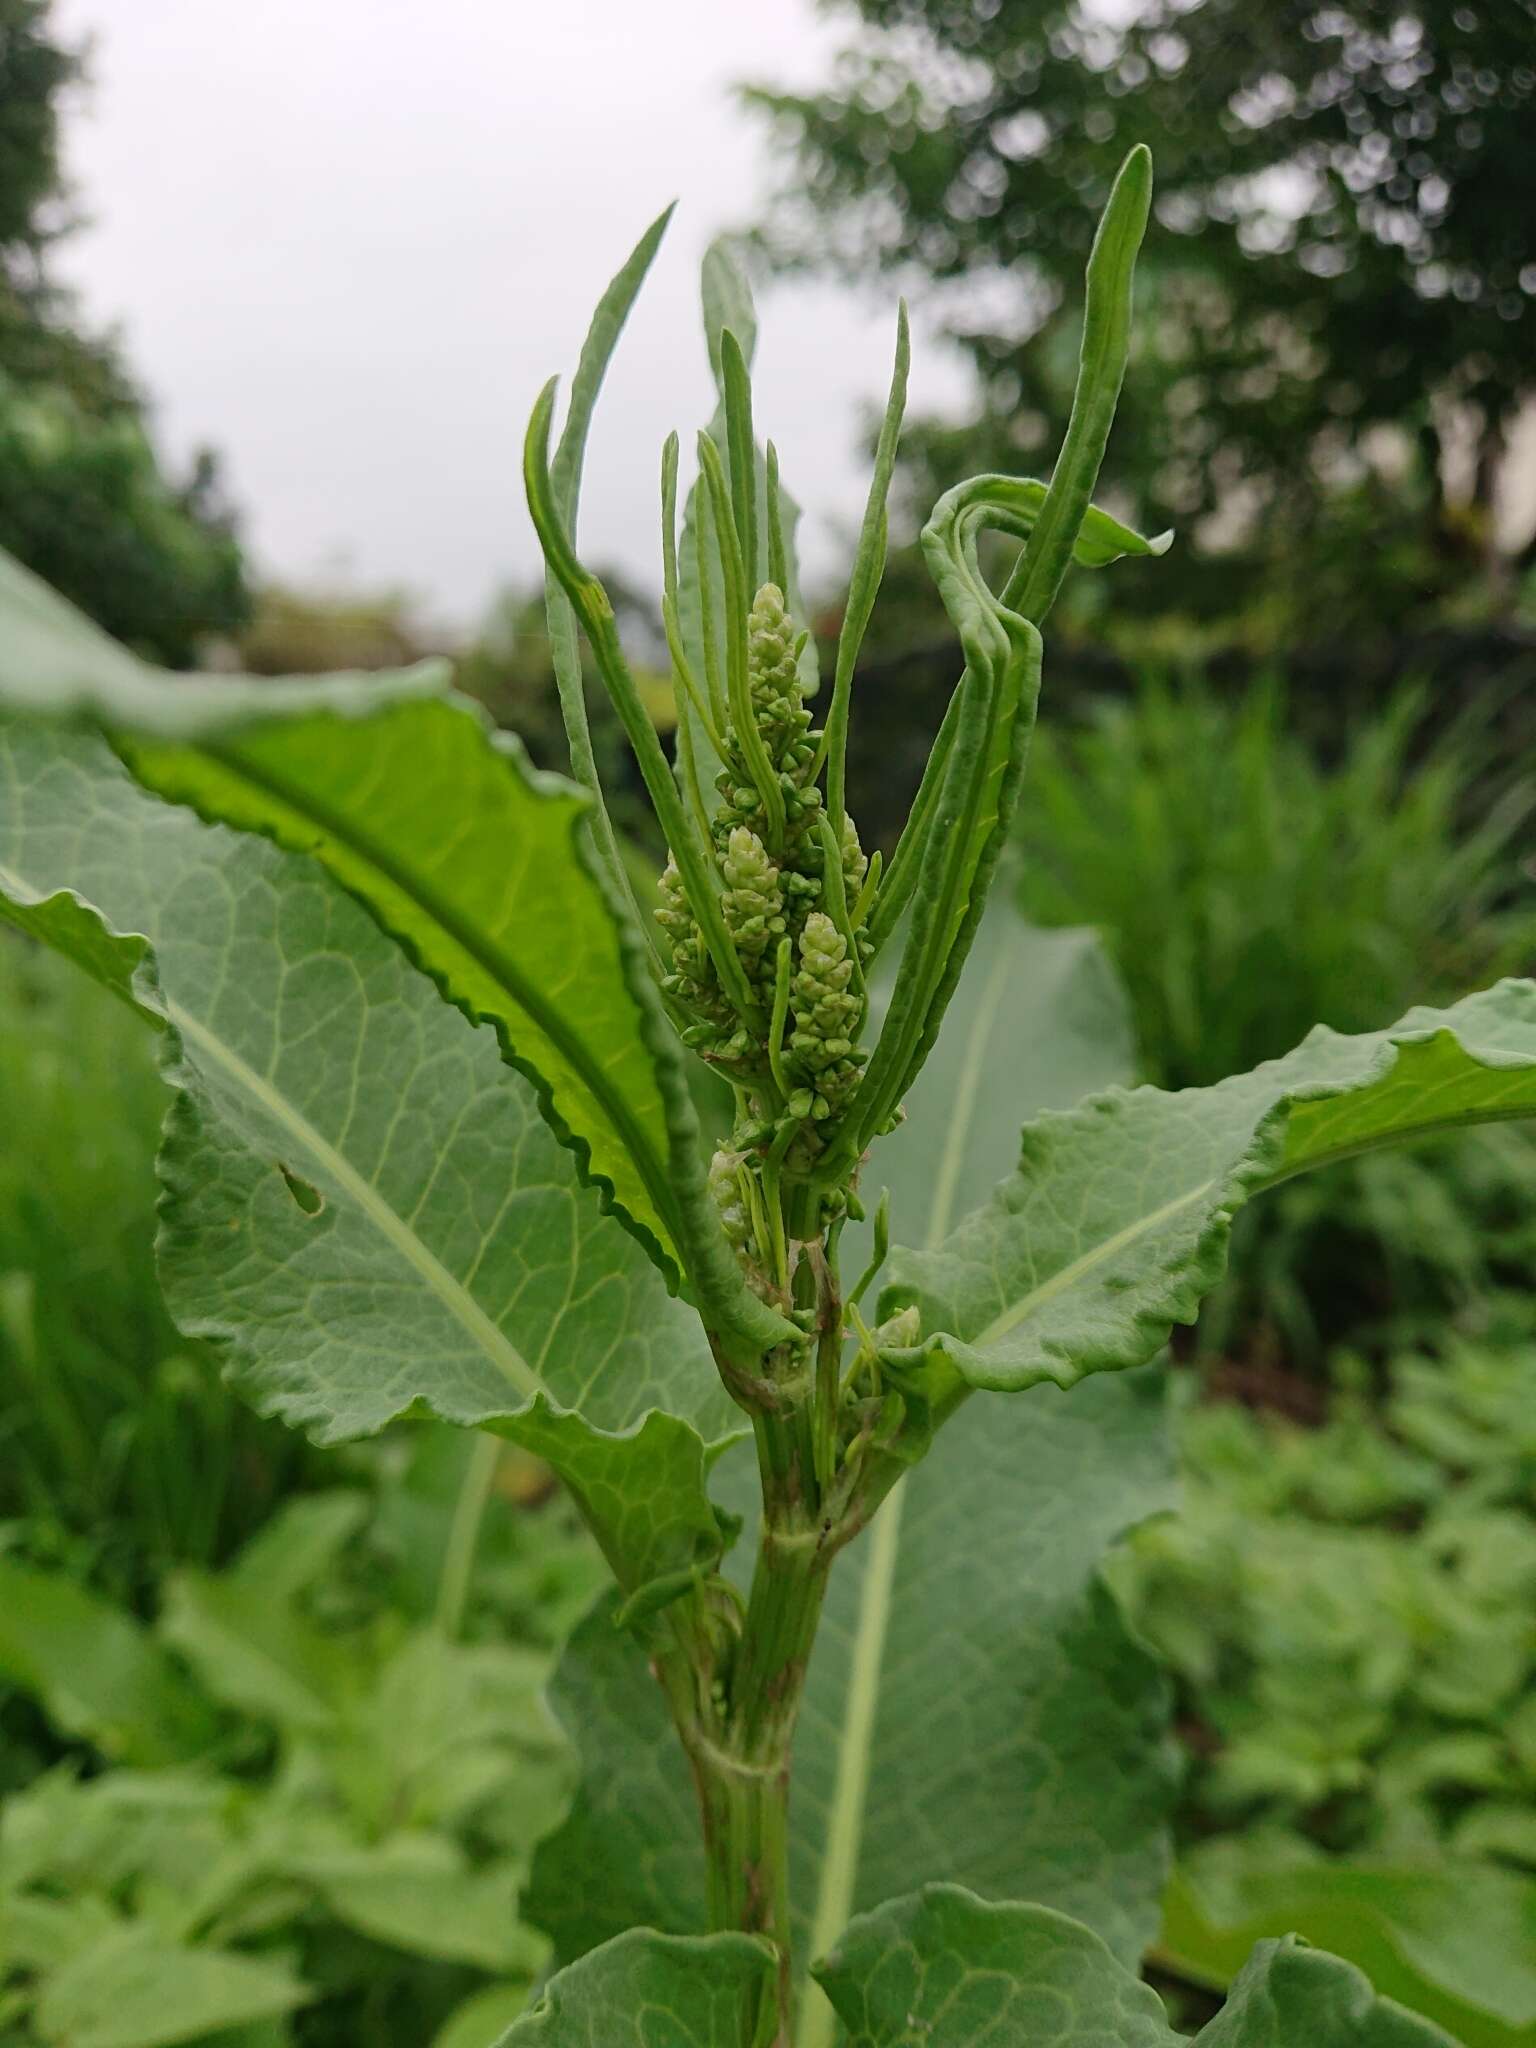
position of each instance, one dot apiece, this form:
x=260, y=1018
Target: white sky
x=346, y=242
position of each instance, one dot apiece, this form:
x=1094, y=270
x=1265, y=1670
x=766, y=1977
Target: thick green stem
x=744, y=1774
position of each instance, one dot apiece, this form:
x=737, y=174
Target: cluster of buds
x=828, y=1012
x=778, y=904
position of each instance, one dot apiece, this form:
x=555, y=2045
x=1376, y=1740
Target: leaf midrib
x=492, y=961
x=391, y=1226
x=1333, y=1155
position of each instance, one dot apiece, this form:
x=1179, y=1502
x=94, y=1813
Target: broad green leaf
x=648, y=1990
x=646, y=1494
x=945, y=1969
x=364, y=1209
x=132, y=1990
x=39, y=1934
x=483, y=2018
x=1115, y=1224
x=418, y=1894
x=300, y=1543
x=481, y=869
x=634, y=1817
x=255, y=1654
x=972, y=1680
x=1456, y=1942
x=95, y=1671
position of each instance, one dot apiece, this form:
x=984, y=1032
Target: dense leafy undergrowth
x=298, y=1808
x=1348, y=1611
x=120, y=1453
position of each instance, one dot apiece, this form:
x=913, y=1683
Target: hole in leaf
x=304, y=1192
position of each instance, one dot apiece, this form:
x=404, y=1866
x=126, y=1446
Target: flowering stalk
x=769, y=917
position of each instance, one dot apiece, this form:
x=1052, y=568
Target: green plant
x=1243, y=889
x=1246, y=891
x=119, y=1450
x=372, y=1205
x=1347, y=1611
x=321, y=1802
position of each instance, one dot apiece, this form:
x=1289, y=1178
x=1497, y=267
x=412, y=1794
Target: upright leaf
x=975, y=1708
x=481, y=869
x=944, y=1969
x=565, y=649
x=726, y=305
x=1115, y=1224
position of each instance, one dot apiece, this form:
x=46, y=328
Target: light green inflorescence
x=796, y=1057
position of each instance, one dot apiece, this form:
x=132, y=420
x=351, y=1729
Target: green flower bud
x=725, y=1189
x=855, y=862
x=754, y=910
x=826, y=1012
x=772, y=675
x=693, y=980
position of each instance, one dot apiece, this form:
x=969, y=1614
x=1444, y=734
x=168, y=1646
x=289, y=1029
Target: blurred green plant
x=1245, y=891
x=319, y=1803
x=1347, y=1610
x=1243, y=887
x=120, y=1452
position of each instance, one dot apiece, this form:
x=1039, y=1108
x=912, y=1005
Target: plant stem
x=744, y=1778
x=464, y=1533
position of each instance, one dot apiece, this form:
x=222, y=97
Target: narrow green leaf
x=968, y=825
x=868, y=569
x=438, y=1269
x=1115, y=1224
x=742, y=443
x=726, y=303
x=945, y=1969
x=565, y=653
x=378, y=780
x=1037, y=575
x=648, y=1990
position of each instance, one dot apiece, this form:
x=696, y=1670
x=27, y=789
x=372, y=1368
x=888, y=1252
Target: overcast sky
x=346, y=243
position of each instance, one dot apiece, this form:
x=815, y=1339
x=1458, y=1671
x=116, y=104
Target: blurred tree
x=84, y=499
x=1344, y=198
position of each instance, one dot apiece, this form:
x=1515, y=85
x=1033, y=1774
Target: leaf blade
x=1115, y=1224
x=643, y=1989
x=944, y=1969
x=375, y=779
x=438, y=1268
